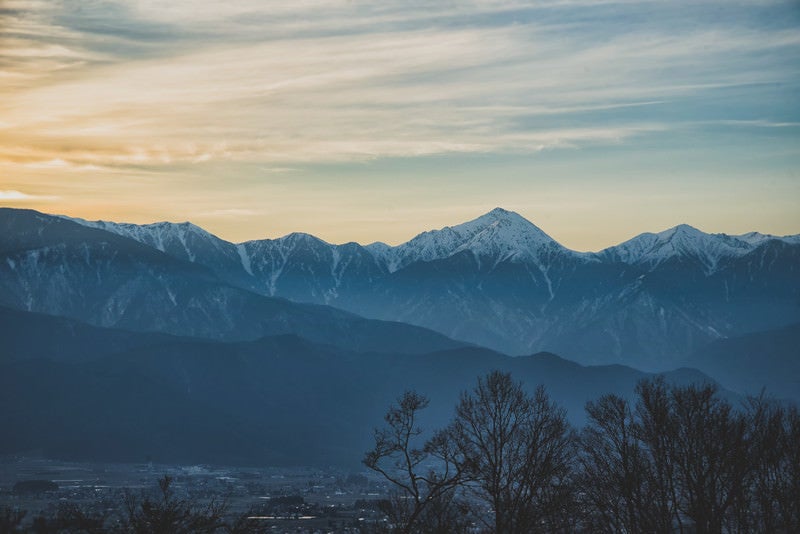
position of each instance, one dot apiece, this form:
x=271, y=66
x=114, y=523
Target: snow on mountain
x=165, y=236
x=188, y=242
x=305, y=268
x=266, y=259
x=756, y=238
x=511, y=286
x=498, y=235
x=52, y=265
x=380, y=251
x=687, y=242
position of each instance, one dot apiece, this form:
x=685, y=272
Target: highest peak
x=686, y=228
x=505, y=225
x=498, y=218
x=499, y=234
x=682, y=230
x=500, y=214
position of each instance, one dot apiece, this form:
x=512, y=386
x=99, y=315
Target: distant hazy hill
x=275, y=400
x=747, y=363
x=501, y=282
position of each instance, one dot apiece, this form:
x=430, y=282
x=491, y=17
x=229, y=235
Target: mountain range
x=499, y=281
x=162, y=341
x=55, y=266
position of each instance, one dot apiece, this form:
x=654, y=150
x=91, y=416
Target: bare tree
x=684, y=460
x=516, y=451
x=425, y=474
x=712, y=461
x=615, y=470
x=655, y=430
x=770, y=504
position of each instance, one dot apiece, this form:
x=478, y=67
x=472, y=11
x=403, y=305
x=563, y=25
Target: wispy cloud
x=759, y=123
x=239, y=107
x=392, y=81
x=18, y=196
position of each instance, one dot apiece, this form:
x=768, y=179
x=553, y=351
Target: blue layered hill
x=88, y=393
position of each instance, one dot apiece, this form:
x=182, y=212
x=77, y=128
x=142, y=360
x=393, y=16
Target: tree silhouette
x=615, y=470
x=516, y=452
x=686, y=459
x=424, y=474
x=770, y=505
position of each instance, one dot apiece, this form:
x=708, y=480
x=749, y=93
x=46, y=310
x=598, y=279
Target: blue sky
x=377, y=120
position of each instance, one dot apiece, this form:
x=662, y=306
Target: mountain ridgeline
x=162, y=341
x=54, y=266
x=497, y=281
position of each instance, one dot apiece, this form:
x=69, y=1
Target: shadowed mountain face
x=55, y=266
x=500, y=282
x=85, y=392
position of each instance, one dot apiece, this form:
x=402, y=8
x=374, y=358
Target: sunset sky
x=364, y=121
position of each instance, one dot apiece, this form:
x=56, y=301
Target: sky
x=365, y=121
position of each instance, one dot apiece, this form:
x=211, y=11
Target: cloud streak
x=18, y=196
x=363, y=95
x=138, y=95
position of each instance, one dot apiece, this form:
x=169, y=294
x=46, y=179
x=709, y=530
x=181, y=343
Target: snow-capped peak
x=686, y=242
x=498, y=235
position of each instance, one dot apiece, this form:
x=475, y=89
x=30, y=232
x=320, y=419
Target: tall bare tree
x=516, y=451
x=616, y=470
x=684, y=461
x=424, y=473
x=712, y=460
x=773, y=488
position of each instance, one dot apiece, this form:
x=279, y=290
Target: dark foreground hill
x=84, y=392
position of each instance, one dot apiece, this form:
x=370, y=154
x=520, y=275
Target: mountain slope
x=497, y=236
x=67, y=340
x=683, y=241
x=186, y=242
x=499, y=281
x=55, y=266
